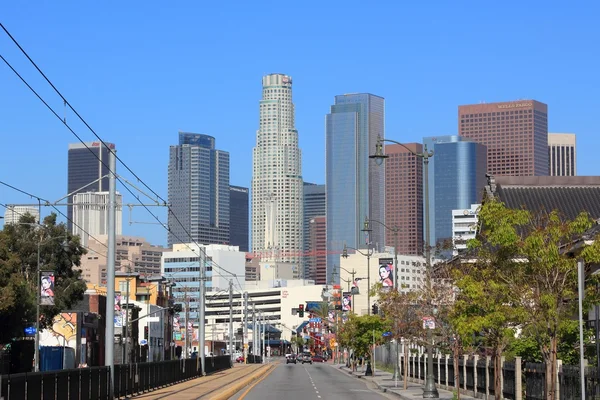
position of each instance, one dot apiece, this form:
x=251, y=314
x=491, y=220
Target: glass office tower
x=198, y=191
x=459, y=181
x=355, y=184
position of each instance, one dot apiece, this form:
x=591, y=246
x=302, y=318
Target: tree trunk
x=498, y=389
x=550, y=359
x=456, y=372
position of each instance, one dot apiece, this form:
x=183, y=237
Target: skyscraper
x=562, y=154
x=459, y=181
x=90, y=215
x=314, y=206
x=317, y=265
x=354, y=183
x=198, y=191
x=277, y=188
x=404, y=197
x=515, y=134
x=239, y=201
x=87, y=171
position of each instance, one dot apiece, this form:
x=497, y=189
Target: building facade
x=222, y=263
x=459, y=181
x=317, y=270
x=515, y=134
x=314, y=206
x=354, y=183
x=90, y=215
x=562, y=154
x=239, y=219
x=133, y=255
x=404, y=197
x=277, y=186
x=13, y=213
x=198, y=191
x=464, y=227
x=87, y=171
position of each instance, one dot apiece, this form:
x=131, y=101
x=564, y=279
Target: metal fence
x=570, y=383
x=92, y=383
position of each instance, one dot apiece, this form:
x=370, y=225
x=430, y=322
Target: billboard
x=386, y=272
x=46, y=288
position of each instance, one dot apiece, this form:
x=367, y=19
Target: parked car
x=290, y=358
x=318, y=358
x=240, y=359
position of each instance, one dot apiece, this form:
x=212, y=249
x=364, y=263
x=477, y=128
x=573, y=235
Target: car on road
x=291, y=358
x=307, y=358
x=318, y=358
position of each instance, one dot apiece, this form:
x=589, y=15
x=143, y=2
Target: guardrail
x=92, y=383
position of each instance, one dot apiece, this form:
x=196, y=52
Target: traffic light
x=301, y=310
x=146, y=332
x=375, y=309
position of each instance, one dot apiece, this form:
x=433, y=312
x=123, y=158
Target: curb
x=380, y=387
x=242, y=383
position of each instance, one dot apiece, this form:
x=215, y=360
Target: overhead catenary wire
x=63, y=121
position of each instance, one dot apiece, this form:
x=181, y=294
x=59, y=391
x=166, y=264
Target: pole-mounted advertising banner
x=46, y=288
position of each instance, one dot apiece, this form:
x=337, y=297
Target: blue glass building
x=355, y=184
x=458, y=181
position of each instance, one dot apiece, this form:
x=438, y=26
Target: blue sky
x=140, y=71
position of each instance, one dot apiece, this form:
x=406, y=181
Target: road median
x=232, y=389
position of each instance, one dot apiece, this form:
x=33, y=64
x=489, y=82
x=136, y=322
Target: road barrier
x=92, y=383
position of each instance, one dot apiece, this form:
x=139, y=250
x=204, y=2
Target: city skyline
x=108, y=85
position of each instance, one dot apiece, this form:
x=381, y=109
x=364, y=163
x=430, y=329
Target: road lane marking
x=256, y=383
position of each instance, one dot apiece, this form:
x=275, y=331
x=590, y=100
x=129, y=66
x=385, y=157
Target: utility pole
x=125, y=324
x=254, y=335
x=245, y=345
x=109, y=345
x=231, y=321
x=185, y=326
x=202, y=306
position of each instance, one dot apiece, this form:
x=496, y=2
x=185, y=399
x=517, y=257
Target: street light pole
x=430, y=391
x=368, y=254
x=396, y=283
x=37, y=313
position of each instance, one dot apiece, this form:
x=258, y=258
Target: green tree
x=486, y=307
x=524, y=273
x=60, y=252
x=358, y=333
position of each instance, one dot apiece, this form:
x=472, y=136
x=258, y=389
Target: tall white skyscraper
x=562, y=154
x=277, y=186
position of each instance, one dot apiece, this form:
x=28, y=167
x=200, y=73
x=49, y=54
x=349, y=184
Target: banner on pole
x=46, y=288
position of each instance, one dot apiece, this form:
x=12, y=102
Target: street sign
x=143, y=342
x=386, y=334
x=30, y=330
x=316, y=320
x=428, y=323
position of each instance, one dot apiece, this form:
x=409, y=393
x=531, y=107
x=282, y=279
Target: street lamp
x=368, y=254
x=396, y=283
x=430, y=391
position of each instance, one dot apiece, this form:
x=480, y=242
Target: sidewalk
x=210, y=386
x=384, y=381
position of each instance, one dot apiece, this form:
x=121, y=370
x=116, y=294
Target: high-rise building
x=429, y=145
x=277, y=188
x=239, y=219
x=90, y=215
x=459, y=181
x=317, y=268
x=515, y=134
x=314, y=206
x=562, y=154
x=13, y=213
x=198, y=191
x=464, y=227
x=354, y=183
x=404, y=197
x=87, y=171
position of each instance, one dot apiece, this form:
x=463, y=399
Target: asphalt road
x=310, y=382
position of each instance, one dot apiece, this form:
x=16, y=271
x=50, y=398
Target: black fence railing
x=92, y=383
